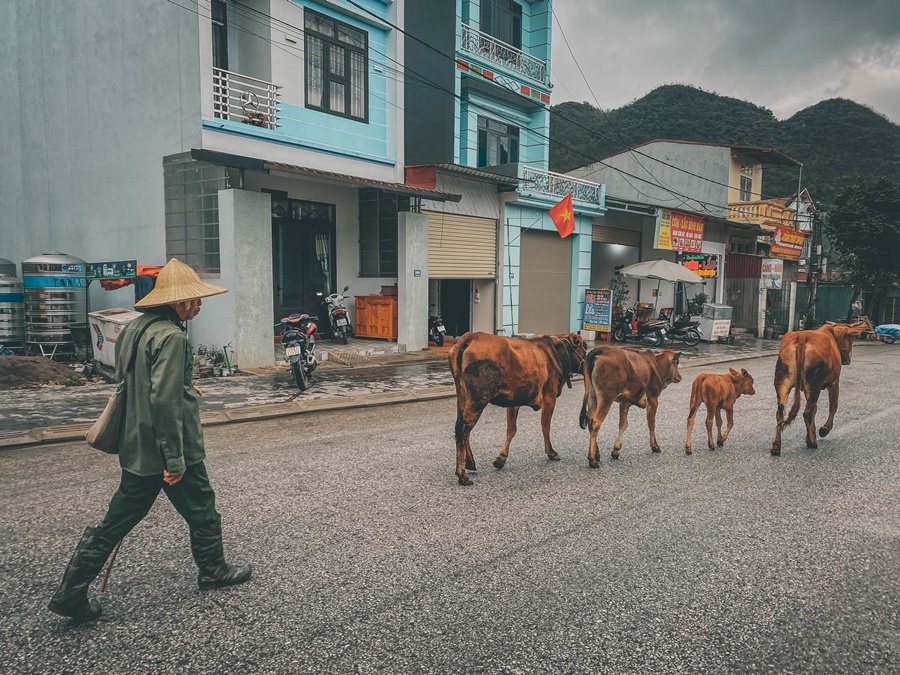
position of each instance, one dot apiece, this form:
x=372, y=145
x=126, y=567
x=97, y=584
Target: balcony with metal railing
x=496, y=51
x=540, y=183
x=765, y=214
x=241, y=98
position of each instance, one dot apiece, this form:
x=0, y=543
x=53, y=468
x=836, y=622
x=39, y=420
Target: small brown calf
x=717, y=392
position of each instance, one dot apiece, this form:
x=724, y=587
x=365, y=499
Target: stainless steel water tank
x=8, y=268
x=55, y=298
x=12, y=309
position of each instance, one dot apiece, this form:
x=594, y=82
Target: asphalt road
x=368, y=557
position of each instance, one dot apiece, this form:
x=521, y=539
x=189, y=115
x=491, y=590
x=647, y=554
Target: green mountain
x=837, y=140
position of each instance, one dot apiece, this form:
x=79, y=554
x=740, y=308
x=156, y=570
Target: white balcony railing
x=246, y=99
x=497, y=51
x=559, y=185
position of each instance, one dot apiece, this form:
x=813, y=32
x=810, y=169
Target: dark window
x=378, y=232
x=219, y=34
x=336, y=67
x=498, y=143
x=746, y=189
x=503, y=20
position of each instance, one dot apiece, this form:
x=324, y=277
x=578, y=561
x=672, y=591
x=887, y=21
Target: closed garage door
x=545, y=283
x=461, y=247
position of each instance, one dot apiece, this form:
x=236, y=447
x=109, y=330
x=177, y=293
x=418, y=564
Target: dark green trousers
x=192, y=497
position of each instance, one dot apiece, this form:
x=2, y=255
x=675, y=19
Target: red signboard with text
x=786, y=244
x=679, y=232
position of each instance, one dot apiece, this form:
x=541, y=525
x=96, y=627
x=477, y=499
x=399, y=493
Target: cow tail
x=588, y=367
x=695, y=397
x=799, y=382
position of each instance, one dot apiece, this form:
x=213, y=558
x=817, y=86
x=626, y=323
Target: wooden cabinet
x=376, y=316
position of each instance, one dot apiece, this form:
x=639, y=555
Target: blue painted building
x=477, y=91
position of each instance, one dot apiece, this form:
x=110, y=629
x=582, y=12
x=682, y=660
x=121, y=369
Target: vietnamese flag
x=563, y=216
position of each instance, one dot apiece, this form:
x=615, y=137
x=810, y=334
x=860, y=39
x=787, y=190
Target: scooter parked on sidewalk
x=298, y=336
x=338, y=318
x=685, y=330
x=652, y=332
x=436, y=328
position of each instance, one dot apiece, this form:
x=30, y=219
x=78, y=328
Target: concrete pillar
x=243, y=316
x=412, y=280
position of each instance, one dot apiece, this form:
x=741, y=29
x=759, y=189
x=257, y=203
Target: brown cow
x=509, y=372
x=811, y=360
x=717, y=392
x=631, y=377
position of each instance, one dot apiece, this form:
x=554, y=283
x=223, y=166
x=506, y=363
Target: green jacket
x=162, y=424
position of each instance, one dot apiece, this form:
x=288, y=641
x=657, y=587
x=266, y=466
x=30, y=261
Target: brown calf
x=631, y=377
x=811, y=361
x=718, y=393
x=509, y=372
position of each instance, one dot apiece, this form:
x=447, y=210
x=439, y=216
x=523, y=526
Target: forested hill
x=837, y=140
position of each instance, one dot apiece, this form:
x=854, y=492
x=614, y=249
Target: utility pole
x=815, y=271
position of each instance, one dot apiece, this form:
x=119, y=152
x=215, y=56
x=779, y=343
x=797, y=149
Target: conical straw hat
x=177, y=282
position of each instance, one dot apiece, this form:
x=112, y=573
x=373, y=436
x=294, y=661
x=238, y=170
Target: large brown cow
x=509, y=372
x=631, y=377
x=718, y=393
x=811, y=360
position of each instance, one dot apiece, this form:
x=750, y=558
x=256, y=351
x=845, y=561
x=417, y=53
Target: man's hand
x=172, y=478
x=197, y=389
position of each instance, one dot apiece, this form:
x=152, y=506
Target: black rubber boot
x=71, y=598
x=206, y=546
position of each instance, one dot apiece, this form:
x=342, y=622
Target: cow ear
x=744, y=372
x=734, y=372
x=677, y=357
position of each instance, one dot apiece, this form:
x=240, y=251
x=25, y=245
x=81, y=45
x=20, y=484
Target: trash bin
x=106, y=326
x=715, y=321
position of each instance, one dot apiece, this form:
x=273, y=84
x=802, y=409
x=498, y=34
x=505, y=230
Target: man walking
x=161, y=447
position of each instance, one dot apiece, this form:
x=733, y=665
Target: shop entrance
x=456, y=308
x=303, y=255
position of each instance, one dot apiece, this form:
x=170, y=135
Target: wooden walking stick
x=112, y=559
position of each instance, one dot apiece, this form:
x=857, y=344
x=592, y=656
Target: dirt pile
x=34, y=371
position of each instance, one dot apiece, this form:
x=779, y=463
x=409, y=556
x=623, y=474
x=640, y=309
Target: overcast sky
x=784, y=55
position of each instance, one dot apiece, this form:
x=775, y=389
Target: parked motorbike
x=687, y=331
x=436, y=329
x=652, y=332
x=338, y=318
x=298, y=336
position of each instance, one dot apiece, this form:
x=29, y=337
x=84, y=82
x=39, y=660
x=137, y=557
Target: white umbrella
x=662, y=270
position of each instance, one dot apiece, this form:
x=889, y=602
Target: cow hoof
x=655, y=449
x=711, y=448
x=812, y=445
x=688, y=451
x=594, y=465
x=823, y=432
x=720, y=443
x=553, y=457
x=776, y=451
x=465, y=480
x=499, y=463
x=614, y=455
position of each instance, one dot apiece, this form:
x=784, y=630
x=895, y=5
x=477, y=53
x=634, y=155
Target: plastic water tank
x=55, y=287
x=12, y=307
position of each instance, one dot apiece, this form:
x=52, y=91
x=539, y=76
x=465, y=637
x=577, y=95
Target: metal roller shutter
x=461, y=247
x=613, y=235
x=545, y=283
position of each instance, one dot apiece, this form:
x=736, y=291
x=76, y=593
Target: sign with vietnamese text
x=679, y=232
x=702, y=264
x=597, y=310
x=119, y=269
x=787, y=244
x=771, y=275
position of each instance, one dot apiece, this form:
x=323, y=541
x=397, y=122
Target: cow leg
x=729, y=415
x=594, y=422
x=546, y=417
x=719, y=439
x=512, y=414
x=466, y=419
x=690, y=428
x=833, y=392
x=783, y=388
x=651, y=423
x=809, y=416
x=623, y=425
x=710, y=413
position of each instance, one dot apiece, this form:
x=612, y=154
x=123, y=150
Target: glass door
x=303, y=255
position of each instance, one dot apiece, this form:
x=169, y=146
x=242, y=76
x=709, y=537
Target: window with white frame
x=746, y=183
x=337, y=66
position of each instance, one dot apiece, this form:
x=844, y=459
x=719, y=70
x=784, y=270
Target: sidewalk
x=361, y=374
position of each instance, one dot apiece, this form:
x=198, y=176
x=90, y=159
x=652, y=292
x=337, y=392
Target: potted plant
x=695, y=306
x=618, y=288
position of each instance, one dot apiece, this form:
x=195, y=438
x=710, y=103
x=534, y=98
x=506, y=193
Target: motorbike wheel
x=619, y=334
x=691, y=338
x=655, y=339
x=343, y=335
x=300, y=377
x=439, y=339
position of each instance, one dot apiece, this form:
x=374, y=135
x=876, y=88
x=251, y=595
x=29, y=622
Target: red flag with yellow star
x=563, y=216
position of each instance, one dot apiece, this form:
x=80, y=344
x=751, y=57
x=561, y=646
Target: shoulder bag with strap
x=104, y=435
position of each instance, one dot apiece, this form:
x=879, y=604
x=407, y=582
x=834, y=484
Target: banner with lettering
x=702, y=264
x=787, y=244
x=679, y=232
x=597, y=310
